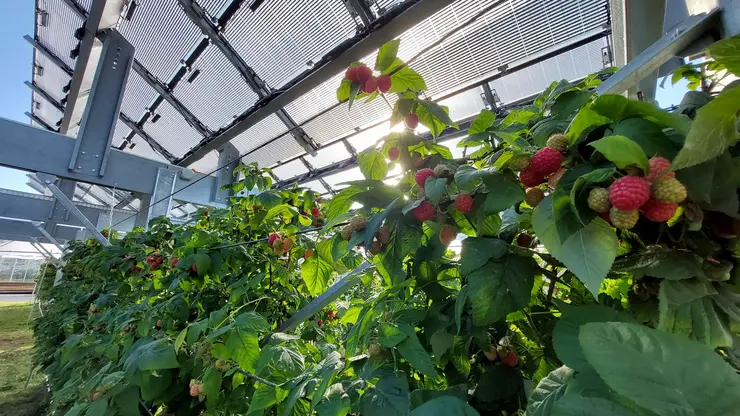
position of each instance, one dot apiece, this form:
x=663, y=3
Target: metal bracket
x=227, y=156
x=359, y=9
x=345, y=283
x=91, y=151
x=44, y=252
x=163, y=189
x=46, y=234
x=64, y=200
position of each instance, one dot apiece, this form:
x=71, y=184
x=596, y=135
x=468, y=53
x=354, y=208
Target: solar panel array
x=283, y=38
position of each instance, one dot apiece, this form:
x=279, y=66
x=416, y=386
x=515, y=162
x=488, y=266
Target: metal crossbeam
x=334, y=63
x=49, y=54
x=46, y=234
x=136, y=128
x=38, y=119
x=657, y=54
x=359, y=9
x=201, y=19
x=46, y=96
x=17, y=230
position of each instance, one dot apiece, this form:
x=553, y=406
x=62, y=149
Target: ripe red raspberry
x=546, y=161
x=194, y=268
x=370, y=86
x=271, y=239
x=393, y=153
x=320, y=322
x=384, y=83
x=464, y=203
x=422, y=176
x=659, y=169
x=658, y=211
x=411, y=120
x=308, y=253
x=629, y=193
x=534, y=196
x=510, y=359
x=174, y=261
x=624, y=219
x=518, y=163
x=315, y=212
x=531, y=178
x=447, y=235
x=425, y=211
x=598, y=200
x=363, y=74
x=351, y=74
x=669, y=190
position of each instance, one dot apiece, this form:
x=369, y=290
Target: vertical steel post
x=162, y=195
x=228, y=156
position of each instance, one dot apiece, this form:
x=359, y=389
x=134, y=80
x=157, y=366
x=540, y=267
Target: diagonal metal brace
x=62, y=198
x=345, y=283
x=46, y=234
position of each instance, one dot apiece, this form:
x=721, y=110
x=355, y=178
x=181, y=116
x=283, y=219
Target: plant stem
x=256, y=378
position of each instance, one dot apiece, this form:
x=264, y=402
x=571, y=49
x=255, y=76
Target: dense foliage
x=598, y=274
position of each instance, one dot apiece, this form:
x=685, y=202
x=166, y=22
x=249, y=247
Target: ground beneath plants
x=16, y=348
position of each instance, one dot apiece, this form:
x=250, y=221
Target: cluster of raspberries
x=359, y=223
x=543, y=165
x=656, y=196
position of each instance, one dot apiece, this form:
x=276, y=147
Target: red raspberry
x=174, y=261
x=363, y=74
x=659, y=169
x=464, y=203
x=351, y=74
x=370, y=86
x=384, y=83
x=411, y=120
x=393, y=153
x=271, y=239
x=320, y=322
x=315, y=212
x=425, y=211
x=255, y=207
x=194, y=268
x=531, y=178
x=447, y=235
x=422, y=176
x=629, y=193
x=510, y=359
x=546, y=161
x=658, y=211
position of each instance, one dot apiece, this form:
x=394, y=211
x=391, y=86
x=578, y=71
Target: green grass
x=16, y=347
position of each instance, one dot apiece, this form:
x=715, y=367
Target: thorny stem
x=256, y=378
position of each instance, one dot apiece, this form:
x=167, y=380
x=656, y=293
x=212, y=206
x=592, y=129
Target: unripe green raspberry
x=443, y=171
x=347, y=232
x=624, y=219
x=598, y=200
x=669, y=190
x=558, y=142
x=534, y=196
x=518, y=163
x=357, y=223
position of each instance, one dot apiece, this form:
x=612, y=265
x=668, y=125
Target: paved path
x=16, y=298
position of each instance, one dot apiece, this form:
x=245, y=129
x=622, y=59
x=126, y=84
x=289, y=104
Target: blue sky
x=17, y=19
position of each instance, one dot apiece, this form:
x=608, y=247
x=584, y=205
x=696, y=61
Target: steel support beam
x=362, y=45
x=358, y=9
x=668, y=46
x=162, y=195
x=38, y=119
x=45, y=95
x=228, y=161
x=90, y=155
x=46, y=234
x=204, y=22
x=104, y=14
x=136, y=128
x=345, y=283
x=36, y=150
x=49, y=54
x=164, y=91
x=25, y=231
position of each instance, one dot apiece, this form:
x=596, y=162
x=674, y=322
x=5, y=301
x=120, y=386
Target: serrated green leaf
x=622, y=151
x=435, y=188
x=390, y=335
x=372, y=164
x=548, y=391
x=412, y=350
x=406, y=79
x=726, y=52
x=375, y=223
x=387, y=55
x=482, y=122
x=503, y=193
x=476, y=252
x=445, y=406
x=390, y=397
x=500, y=287
x=316, y=273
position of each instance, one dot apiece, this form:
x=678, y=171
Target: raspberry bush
x=582, y=259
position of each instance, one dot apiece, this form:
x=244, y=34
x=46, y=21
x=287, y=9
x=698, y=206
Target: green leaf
x=444, y=406
x=212, y=384
x=661, y=372
x=336, y=406
x=252, y=321
x=500, y=287
x=588, y=253
x=565, y=335
x=435, y=188
x=316, y=273
x=375, y=223
x=180, y=339
x=354, y=89
x=243, y=347
x=569, y=102
x=477, y=251
x=468, y=177
x=412, y=350
x=595, y=176
x=546, y=128
x=434, y=116
x=666, y=264
x=98, y=407
x=503, y=193
x=585, y=121
x=618, y=108
x=421, y=396
x=372, y=164
x=482, y=122
x=713, y=131
x=341, y=202
x=727, y=53
x=343, y=90
x=574, y=405
x=548, y=391
x=686, y=308
x=622, y=151
x=203, y=263
x=441, y=341
x=264, y=396
x=460, y=300
x=390, y=335
x=390, y=397
x=648, y=135
x=406, y=79
x=387, y=55
x=151, y=355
